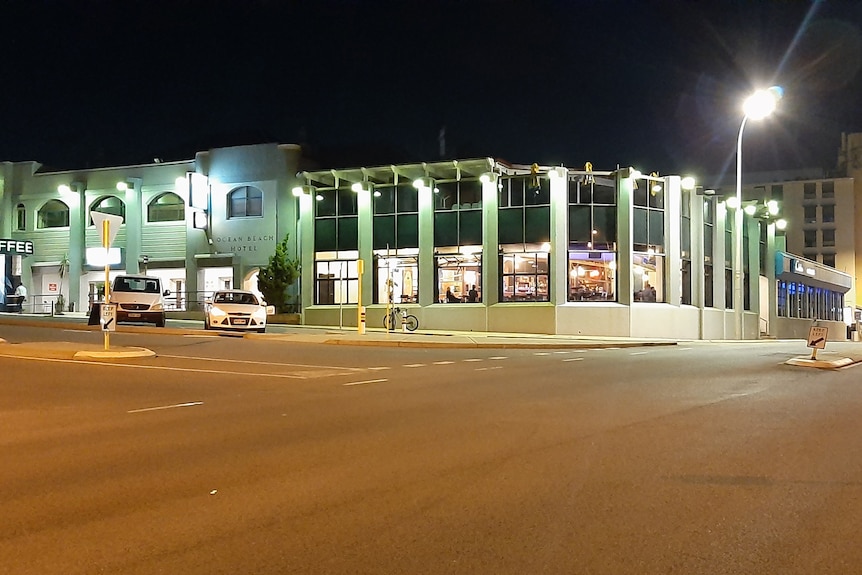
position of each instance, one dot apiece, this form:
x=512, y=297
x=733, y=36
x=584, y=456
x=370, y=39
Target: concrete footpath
x=421, y=338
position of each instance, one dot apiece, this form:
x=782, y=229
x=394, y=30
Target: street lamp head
x=762, y=103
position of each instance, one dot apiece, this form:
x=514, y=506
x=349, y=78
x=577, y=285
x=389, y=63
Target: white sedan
x=236, y=310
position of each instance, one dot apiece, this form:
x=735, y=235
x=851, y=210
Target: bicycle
x=408, y=321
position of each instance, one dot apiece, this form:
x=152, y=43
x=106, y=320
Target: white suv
x=139, y=299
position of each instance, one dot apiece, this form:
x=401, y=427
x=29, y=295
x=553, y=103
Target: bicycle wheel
x=411, y=322
x=388, y=321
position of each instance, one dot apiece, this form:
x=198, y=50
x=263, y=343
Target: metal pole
x=738, y=299
x=106, y=242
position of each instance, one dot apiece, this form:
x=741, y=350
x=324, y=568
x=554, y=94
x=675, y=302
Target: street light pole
x=737, y=239
x=757, y=106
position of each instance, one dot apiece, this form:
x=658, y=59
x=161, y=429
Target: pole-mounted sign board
x=109, y=317
x=113, y=225
x=817, y=337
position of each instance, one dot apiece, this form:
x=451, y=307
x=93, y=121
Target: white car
x=237, y=310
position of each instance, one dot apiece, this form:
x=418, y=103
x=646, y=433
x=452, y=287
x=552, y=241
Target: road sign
x=817, y=337
x=109, y=317
x=114, y=223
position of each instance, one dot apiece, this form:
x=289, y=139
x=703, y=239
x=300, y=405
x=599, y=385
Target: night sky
x=656, y=85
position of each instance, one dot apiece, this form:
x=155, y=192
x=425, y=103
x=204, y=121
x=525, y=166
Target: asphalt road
x=226, y=455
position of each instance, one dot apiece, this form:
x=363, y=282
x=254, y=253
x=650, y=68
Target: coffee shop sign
x=242, y=243
x=16, y=247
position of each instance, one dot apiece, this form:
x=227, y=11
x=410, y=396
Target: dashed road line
x=379, y=368
x=443, y=362
x=161, y=407
x=498, y=357
x=474, y=359
x=367, y=381
x=413, y=365
x=639, y=353
x=574, y=359
x=541, y=353
x=489, y=368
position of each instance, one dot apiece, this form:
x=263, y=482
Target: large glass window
x=799, y=300
x=592, y=276
x=827, y=189
x=827, y=213
x=336, y=277
x=336, y=225
x=647, y=274
x=245, y=201
x=459, y=277
x=396, y=276
x=458, y=213
x=810, y=238
x=53, y=214
x=828, y=238
x=524, y=275
x=167, y=207
x=21, y=219
x=396, y=219
x=685, y=248
x=108, y=205
x=809, y=214
x=708, y=253
x=809, y=191
x=524, y=210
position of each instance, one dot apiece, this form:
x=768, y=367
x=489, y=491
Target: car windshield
x=136, y=285
x=232, y=297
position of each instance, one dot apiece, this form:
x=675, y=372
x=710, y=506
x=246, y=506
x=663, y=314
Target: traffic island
x=820, y=363
x=71, y=350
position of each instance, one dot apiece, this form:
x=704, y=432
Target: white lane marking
x=365, y=382
x=541, y=353
x=563, y=351
x=574, y=359
x=489, y=368
x=684, y=348
x=413, y=365
x=378, y=368
x=443, y=362
x=474, y=359
x=260, y=362
x=189, y=404
x=639, y=353
x=156, y=367
x=499, y=357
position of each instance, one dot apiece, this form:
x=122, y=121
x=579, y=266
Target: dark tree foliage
x=274, y=280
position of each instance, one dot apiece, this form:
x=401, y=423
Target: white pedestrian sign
x=817, y=337
x=109, y=317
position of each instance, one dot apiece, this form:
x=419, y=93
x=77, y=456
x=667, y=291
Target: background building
x=476, y=244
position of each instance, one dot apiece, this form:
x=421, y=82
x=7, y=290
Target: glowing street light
x=756, y=107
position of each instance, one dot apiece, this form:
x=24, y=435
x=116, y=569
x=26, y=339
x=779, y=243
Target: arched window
x=246, y=201
x=108, y=205
x=167, y=207
x=21, y=213
x=53, y=214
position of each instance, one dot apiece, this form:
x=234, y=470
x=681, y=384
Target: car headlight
x=157, y=307
x=217, y=312
x=259, y=314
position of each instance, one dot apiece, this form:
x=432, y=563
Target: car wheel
x=160, y=322
x=207, y=323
